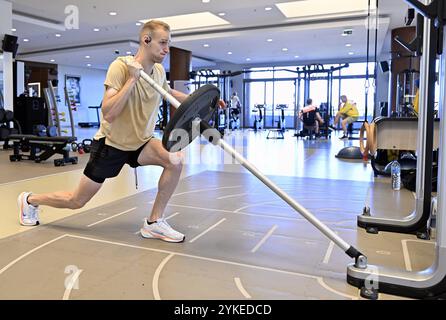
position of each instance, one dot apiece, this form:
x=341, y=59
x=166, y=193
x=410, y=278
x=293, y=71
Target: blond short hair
x=151, y=26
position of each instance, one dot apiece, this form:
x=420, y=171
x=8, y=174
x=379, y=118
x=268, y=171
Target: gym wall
x=92, y=91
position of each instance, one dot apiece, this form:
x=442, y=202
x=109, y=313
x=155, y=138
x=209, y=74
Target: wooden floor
x=242, y=241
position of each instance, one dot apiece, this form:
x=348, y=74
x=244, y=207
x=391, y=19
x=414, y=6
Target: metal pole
x=348, y=249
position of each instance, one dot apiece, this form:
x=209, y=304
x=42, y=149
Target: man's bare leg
x=76, y=199
x=155, y=154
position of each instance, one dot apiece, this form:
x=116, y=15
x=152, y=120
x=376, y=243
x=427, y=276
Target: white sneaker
x=28, y=214
x=161, y=230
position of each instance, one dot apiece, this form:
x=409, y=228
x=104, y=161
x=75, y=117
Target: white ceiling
x=313, y=39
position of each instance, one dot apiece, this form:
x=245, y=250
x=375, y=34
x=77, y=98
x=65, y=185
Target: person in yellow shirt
x=348, y=113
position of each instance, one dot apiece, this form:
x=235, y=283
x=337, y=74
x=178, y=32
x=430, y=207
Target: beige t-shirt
x=134, y=126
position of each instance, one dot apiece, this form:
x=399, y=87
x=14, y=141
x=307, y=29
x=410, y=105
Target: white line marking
x=207, y=230
x=30, y=252
x=114, y=216
x=327, y=287
x=270, y=232
x=155, y=282
x=253, y=205
x=74, y=277
x=329, y=251
x=202, y=190
x=167, y=218
x=239, y=285
x=234, y=196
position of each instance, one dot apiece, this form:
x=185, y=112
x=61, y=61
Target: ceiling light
x=13, y=29
x=268, y=8
x=296, y=57
x=248, y=59
x=96, y=29
x=206, y=45
x=205, y=1
x=193, y=20
x=58, y=35
x=88, y=65
x=25, y=40
x=112, y=13
x=351, y=53
x=269, y=40
x=221, y=14
x=52, y=60
x=138, y=23
x=1, y=56
x=299, y=9
x=229, y=52
x=284, y=49
x=348, y=45
x=128, y=52
x=87, y=57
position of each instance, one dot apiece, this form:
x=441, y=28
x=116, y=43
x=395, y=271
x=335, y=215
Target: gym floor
x=242, y=241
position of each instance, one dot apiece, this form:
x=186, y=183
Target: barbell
x=191, y=119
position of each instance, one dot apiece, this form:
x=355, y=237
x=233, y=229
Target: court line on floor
x=73, y=280
x=236, y=195
x=207, y=230
x=167, y=218
x=240, y=287
x=270, y=232
x=111, y=217
x=155, y=281
x=202, y=190
x=297, y=219
x=9, y=265
x=249, y=266
x=406, y=254
x=329, y=252
x=321, y=281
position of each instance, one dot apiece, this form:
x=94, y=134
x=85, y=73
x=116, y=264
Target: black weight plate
x=199, y=105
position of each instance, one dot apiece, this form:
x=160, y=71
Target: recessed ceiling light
x=268, y=8
x=129, y=52
x=296, y=57
x=58, y=35
x=88, y=65
x=191, y=21
x=284, y=49
x=269, y=40
x=96, y=29
x=229, y=52
x=248, y=59
x=205, y=1
x=25, y=40
x=221, y=14
x=13, y=29
x=113, y=13
x=52, y=60
x=87, y=57
x=138, y=23
x=351, y=53
x=348, y=45
x=206, y=45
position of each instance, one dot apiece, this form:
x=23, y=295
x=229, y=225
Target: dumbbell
x=42, y=131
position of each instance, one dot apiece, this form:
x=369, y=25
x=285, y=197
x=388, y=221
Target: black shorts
x=106, y=161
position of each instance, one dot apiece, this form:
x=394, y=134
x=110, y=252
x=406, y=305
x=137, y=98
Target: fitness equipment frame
x=431, y=282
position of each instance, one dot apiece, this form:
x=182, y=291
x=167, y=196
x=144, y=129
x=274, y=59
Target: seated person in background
x=416, y=100
x=349, y=114
x=310, y=107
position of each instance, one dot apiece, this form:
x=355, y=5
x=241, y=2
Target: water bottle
x=395, y=170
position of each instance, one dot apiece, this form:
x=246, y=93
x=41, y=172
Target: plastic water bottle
x=395, y=170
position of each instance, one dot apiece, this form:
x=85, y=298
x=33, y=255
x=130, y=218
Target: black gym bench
x=41, y=148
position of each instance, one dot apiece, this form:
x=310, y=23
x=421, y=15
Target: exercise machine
x=431, y=282
x=259, y=123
